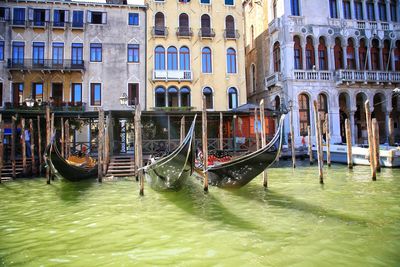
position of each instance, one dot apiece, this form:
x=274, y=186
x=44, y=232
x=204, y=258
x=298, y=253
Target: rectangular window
x=4, y=14
x=371, y=11
x=60, y=17
x=95, y=94
x=1, y=50
x=39, y=17
x=96, y=17
x=229, y=2
x=133, y=19
x=382, y=11
x=77, y=19
x=77, y=54
x=393, y=12
x=38, y=53
x=359, y=10
x=18, y=16
x=95, y=52
x=133, y=53
x=76, y=93
x=295, y=7
x=322, y=61
x=18, y=94
x=333, y=9
x=37, y=92
x=18, y=53
x=58, y=53
x=207, y=2
x=133, y=94
x=346, y=10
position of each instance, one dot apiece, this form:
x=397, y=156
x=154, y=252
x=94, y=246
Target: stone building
x=340, y=53
x=194, y=48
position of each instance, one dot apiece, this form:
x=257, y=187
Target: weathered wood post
x=349, y=144
x=24, y=165
x=1, y=144
x=138, y=149
x=375, y=134
x=62, y=137
x=263, y=141
x=182, y=129
x=106, y=145
x=391, y=132
x=48, y=138
x=40, y=156
x=370, y=140
x=31, y=129
x=293, y=146
x=205, y=144
x=67, y=141
x=100, y=140
x=52, y=133
x=13, y=132
x=318, y=138
x=221, y=131
x=256, y=128
x=328, y=140
x=310, y=153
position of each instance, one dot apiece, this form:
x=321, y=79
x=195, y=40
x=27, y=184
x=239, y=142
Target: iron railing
x=45, y=64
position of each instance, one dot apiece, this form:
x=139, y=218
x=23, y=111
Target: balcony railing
x=274, y=25
x=41, y=106
x=206, y=33
x=159, y=31
x=45, y=64
x=172, y=75
x=367, y=76
x=47, y=24
x=184, y=32
x=312, y=75
x=231, y=34
x=273, y=80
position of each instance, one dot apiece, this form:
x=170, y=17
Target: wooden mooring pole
x=182, y=129
x=24, y=165
x=349, y=144
x=256, y=128
x=33, y=160
x=318, y=137
x=13, y=132
x=138, y=149
x=370, y=140
x=52, y=134
x=391, y=132
x=205, y=144
x=263, y=141
x=1, y=145
x=40, y=156
x=375, y=134
x=62, y=137
x=48, y=138
x=106, y=159
x=100, y=151
x=328, y=140
x=67, y=141
x=221, y=131
x=310, y=153
x=293, y=147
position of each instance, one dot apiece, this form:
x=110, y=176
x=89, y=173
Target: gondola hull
x=241, y=171
x=170, y=172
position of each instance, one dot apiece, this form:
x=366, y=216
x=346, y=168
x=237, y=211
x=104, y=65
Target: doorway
x=57, y=94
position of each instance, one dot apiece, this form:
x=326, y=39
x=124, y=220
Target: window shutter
x=7, y=14
x=66, y=16
x=130, y=99
x=104, y=18
x=47, y=15
x=89, y=16
x=91, y=94
x=136, y=88
x=30, y=14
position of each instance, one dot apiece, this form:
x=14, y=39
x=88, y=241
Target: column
x=331, y=58
x=340, y=9
x=388, y=14
x=303, y=51
x=392, y=62
x=387, y=115
x=369, y=57
x=334, y=123
x=365, y=13
x=316, y=57
x=381, y=66
x=353, y=128
x=353, y=9
x=344, y=48
x=357, y=58
x=376, y=9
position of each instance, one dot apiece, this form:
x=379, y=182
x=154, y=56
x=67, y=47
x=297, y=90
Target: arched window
x=233, y=98
x=386, y=55
x=185, y=97
x=159, y=58
x=351, y=62
x=322, y=104
x=322, y=54
x=370, y=10
x=253, y=78
x=304, y=113
x=173, y=100
x=160, y=97
x=159, y=24
x=277, y=57
x=277, y=102
x=183, y=24
x=295, y=7
x=230, y=26
x=310, y=54
x=298, y=60
x=375, y=54
x=205, y=25
x=231, y=60
x=172, y=55
x=362, y=54
x=393, y=10
x=184, y=55
x=382, y=10
x=208, y=93
x=206, y=62
x=338, y=51
x=397, y=56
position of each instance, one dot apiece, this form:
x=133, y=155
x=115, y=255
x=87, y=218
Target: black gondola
x=170, y=172
x=241, y=171
x=68, y=171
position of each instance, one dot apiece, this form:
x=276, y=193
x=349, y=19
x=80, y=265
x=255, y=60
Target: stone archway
x=344, y=113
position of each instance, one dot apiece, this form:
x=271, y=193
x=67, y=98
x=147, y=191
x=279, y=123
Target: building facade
x=339, y=53
x=195, y=48
x=82, y=55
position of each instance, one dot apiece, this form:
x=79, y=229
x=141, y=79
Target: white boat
x=389, y=156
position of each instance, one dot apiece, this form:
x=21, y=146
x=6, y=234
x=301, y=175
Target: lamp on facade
x=30, y=102
x=123, y=100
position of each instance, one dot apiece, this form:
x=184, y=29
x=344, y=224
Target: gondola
x=170, y=172
x=240, y=171
x=70, y=172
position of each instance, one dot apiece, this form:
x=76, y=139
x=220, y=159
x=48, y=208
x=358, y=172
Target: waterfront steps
x=121, y=166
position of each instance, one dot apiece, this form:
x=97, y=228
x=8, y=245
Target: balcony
x=184, y=32
x=18, y=23
x=354, y=76
x=172, y=75
x=274, y=25
x=274, y=79
x=312, y=75
x=46, y=64
x=40, y=106
x=159, y=31
x=206, y=33
x=231, y=34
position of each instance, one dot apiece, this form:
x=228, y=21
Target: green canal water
x=350, y=221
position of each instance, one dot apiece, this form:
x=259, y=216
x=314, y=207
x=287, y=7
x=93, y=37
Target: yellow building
x=195, y=47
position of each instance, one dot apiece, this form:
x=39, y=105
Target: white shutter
x=66, y=16
x=47, y=15
x=7, y=14
x=89, y=16
x=104, y=18
x=30, y=14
